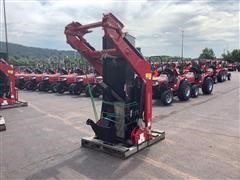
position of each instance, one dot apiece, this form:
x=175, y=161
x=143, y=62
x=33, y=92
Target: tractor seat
x=213, y=67
x=170, y=74
x=50, y=71
x=196, y=71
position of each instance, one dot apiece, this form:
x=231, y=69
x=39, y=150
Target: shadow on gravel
x=90, y=164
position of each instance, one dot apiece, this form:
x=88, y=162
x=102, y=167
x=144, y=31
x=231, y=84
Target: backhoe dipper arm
x=113, y=31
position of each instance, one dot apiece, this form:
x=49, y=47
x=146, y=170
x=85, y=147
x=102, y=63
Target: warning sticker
x=148, y=75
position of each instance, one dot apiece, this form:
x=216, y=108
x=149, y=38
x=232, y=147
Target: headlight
x=155, y=83
x=21, y=77
x=79, y=80
x=99, y=80
x=63, y=79
x=34, y=77
x=46, y=78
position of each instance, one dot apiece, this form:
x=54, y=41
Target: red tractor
x=170, y=83
x=221, y=74
x=96, y=88
x=35, y=79
x=81, y=83
x=231, y=67
x=8, y=92
x=66, y=80
x=199, y=77
x=50, y=81
x=160, y=87
x=22, y=78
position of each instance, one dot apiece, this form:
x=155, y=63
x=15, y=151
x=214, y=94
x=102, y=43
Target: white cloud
x=157, y=25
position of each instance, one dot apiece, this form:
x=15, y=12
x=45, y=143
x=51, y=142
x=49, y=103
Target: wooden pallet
x=15, y=105
x=120, y=150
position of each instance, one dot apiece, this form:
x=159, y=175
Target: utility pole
x=182, y=43
x=5, y=24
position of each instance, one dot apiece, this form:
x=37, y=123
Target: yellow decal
x=148, y=75
x=10, y=71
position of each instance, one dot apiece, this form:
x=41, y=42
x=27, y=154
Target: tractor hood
x=157, y=80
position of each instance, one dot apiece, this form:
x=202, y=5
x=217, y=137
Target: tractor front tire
x=167, y=97
x=184, y=91
x=194, y=91
x=207, y=86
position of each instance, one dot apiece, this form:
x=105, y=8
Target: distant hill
x=17, y=51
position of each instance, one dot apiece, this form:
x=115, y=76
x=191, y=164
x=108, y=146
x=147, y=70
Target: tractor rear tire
x=221, y=77
x=20, y=84
x=29, y=85
x=87, y=90
x=77, y=90
x=167, y=97
x=60, y=88
x=229, y=77
x=184, y=91
x=35, y=86
x=43, y=87
x=71, y=89
x=194, y=91
x=47, y=88
x=53, y=87
x=207, y=86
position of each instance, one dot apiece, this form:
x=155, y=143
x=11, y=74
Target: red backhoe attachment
x=125, y=123
x=8, y=92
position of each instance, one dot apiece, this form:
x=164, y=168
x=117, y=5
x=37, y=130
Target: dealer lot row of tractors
x=169, y=80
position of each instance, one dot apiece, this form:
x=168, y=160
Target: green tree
x=236, y=55
x=227, y=56
x=207, y=53
x=233, y=56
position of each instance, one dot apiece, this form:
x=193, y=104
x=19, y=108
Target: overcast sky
x=157, y=25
